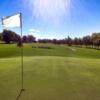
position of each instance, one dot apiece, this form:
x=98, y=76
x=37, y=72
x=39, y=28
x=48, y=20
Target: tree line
x=93, y=40
x=9, y=36
x=88, y=41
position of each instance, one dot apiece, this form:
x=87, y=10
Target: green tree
x=0, y=36
x=10, y=36
x=31, y=38
x=96, y=39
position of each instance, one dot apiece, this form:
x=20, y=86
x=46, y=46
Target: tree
x=7, y=36
x=10, y=36
x=54, y=41
x=0, y=36
x=96, y=39
x=76, y=41
x=19, y=43
x=31, y=38
x=69, y=41
x=87, y=40
x=25, y=39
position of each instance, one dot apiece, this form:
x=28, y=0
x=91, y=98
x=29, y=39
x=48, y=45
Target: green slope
x=56, y=50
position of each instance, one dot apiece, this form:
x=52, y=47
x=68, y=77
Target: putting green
x=50, y=78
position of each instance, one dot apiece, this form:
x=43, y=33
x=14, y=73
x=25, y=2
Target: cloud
x=45, y=35
x=34, y=30
x=35, y=34
x=49, y=10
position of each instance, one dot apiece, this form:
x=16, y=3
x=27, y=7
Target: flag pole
x=22, y=79
x=21, y=45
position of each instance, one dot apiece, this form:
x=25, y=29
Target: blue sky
x=55, y=18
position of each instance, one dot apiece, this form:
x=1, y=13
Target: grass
x=60, y=73
x=12, y=50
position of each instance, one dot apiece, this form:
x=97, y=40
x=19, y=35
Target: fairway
x=61, y=73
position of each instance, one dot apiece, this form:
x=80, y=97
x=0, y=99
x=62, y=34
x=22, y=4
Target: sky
x=54, y=18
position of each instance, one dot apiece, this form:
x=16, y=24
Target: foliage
x=10, y=36
x=93, y=40
x=89, y=40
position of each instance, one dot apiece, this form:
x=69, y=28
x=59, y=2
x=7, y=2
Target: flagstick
x=22, y=87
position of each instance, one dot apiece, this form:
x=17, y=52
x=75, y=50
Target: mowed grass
x=60, y=73
x=12, y=50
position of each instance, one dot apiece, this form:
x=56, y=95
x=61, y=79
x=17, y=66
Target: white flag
x=12, y=21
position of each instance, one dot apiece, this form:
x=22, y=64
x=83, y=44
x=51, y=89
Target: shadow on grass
x=20, y=94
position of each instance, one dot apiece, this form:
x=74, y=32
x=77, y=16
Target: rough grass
x=57, y=74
